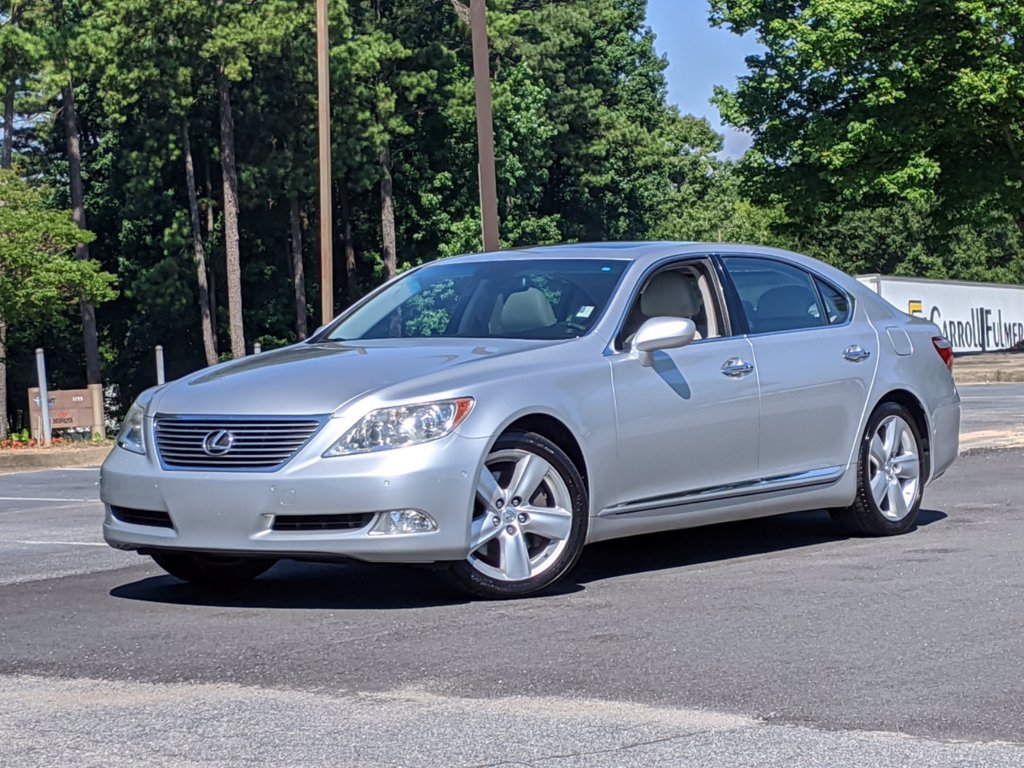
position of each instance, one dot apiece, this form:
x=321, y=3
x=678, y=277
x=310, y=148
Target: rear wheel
x=215, y=571
x=890, y=474
x=529, y=523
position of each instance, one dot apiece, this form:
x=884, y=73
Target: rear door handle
x=735, y=368
x=855, y=353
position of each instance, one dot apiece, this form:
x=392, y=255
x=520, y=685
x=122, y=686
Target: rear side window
x=776, y=296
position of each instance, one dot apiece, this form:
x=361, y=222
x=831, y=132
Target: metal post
x=160, y=364
x=324, y=128
x=257, y=348
x=44, y=396
x=96, y=395
x=484, y=125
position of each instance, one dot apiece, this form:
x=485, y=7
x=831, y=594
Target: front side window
x=775, y=296
x=681, y=290
x=522, y=299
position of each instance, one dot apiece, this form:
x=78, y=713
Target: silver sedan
x=490, y=415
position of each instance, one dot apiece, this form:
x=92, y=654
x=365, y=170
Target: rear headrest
x=670, y=295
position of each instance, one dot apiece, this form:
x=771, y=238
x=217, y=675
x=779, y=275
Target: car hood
x=307, y=379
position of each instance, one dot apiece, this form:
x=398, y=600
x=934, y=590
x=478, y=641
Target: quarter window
x=837, y=305
x=775, y=296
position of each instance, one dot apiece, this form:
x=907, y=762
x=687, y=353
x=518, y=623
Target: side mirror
x=661, y=333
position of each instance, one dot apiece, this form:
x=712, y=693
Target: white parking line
x=39, y=498
x=58, y=543
x=992, y=397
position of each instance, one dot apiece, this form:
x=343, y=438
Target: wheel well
x=559, y=434
x=912, y=404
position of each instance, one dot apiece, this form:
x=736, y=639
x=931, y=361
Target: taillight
x=945, y=350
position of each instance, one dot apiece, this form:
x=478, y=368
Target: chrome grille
x=252, y=443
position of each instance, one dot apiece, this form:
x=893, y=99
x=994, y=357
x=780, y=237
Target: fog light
x=400, y=521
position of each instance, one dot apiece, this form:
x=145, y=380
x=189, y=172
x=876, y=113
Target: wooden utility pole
x=484, y=125
x=324, y=104
x=93, y=373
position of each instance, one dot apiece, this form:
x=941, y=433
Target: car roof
x=641, y=252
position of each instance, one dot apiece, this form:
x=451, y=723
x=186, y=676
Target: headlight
x=132, y=435
x=402, y=425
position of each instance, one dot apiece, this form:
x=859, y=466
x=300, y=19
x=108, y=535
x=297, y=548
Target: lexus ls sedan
x=489, y=415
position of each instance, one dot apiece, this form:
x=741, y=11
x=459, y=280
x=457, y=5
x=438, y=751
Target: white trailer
x=975, y=317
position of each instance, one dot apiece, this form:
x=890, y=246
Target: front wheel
x=529, y=521
x=214, y=571
x=890, y=473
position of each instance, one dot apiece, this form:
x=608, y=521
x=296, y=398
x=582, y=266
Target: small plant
x=21, y=440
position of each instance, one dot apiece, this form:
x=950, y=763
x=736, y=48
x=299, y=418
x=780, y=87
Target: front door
x=688, y=422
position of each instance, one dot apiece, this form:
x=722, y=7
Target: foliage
x=39, y=274
x=864, y=103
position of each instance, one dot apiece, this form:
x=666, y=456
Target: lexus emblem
x=218, y=443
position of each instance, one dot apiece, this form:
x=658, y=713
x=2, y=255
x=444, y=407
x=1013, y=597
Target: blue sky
x=700, y=57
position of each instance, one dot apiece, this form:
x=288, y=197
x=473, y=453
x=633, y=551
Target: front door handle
x=855, y=353
x=734, y=367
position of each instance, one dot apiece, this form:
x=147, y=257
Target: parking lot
x=771, y=642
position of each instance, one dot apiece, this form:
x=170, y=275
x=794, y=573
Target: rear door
x=816, y=357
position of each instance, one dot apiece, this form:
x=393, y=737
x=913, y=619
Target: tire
x=890, y=476
x=529, y=521
x=213, y=571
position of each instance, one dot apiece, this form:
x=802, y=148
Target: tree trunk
x=351, y=280
x=387, y=214
x=5, y=163
x=3, y=380
x=209, y=348
x=231, y=245
x=8, y=150
x=210, y=224
x=298, y=273
x=74, y=148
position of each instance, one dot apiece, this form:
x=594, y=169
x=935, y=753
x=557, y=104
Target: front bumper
x=217, y=511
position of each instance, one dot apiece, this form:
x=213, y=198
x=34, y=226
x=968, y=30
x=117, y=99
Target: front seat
x=527, y=310
x=669, y=294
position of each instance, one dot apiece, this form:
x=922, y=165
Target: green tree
x=39, y=275
x=859, y=103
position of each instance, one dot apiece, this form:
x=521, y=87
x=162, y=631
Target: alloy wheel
x=523, y=516
x=894, y=474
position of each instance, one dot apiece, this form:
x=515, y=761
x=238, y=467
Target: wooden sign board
x=69, y=408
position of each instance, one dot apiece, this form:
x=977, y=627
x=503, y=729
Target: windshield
x=517, y=299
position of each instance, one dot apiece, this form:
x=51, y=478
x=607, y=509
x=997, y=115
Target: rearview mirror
x=661, y=333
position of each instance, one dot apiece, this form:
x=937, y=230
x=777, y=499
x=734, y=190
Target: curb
x=53, y=458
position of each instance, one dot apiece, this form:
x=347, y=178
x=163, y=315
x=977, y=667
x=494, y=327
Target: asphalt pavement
x=993, y=416
x=765, y=643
